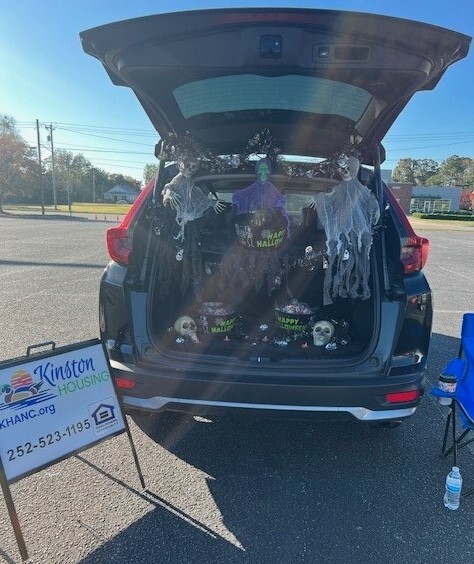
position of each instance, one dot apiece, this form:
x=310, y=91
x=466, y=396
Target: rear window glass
x=253, y=92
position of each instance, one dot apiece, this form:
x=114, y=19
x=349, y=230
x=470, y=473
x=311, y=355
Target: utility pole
x=40, y=167
x=50, y=138
x=93, y=186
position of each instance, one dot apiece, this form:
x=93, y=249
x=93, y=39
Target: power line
x=428, y=147
x=104, y=137
x=96, y=150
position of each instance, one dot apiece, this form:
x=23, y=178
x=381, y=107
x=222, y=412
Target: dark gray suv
x=267, y=267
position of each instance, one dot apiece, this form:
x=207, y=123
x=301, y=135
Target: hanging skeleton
x=187, y=199
x=348, y=213
x=262, y=229
x=184, y=215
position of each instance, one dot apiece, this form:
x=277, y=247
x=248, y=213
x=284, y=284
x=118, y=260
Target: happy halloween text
x=290, y=324
x=273, y=240
x=224, y=327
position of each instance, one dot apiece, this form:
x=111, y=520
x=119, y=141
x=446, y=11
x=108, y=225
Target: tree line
x=76, y=179
x=454, y=171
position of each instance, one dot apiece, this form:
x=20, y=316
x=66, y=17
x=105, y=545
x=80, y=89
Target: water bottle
x=453, y=489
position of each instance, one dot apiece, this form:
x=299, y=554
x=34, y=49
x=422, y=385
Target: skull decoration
x=186, y=326
x=323, y=332
x=348, y=167
x=189, y=168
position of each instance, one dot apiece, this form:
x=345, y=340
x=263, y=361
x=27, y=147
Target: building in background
x=121, y=192
x=432, y=199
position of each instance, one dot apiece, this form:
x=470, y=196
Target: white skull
x=189, y=168
x=348, y=167
x=186, y=326
x=322, y=333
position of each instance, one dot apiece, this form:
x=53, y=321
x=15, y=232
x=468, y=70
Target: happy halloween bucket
x=216, y=318
x=294, y=317
x=261, y=229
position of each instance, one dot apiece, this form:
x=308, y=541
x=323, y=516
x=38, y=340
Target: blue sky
x=45, y=75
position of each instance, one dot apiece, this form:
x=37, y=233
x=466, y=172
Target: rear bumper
x=205, y=407
x=357, y=398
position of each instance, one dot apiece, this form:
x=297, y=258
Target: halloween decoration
x=294, y=316
x=185, y=211
x=186, y=327
x=216, y=318
x=348, y=213
x=262, y=228
x=323, y=332
x=187, y=199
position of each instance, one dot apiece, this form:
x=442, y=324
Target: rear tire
x=385, y=425
x=162, y=423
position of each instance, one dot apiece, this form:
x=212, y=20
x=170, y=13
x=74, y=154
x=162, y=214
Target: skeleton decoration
x=186, y=327
x=187, y=199
x=348, y=213
x=323, y=332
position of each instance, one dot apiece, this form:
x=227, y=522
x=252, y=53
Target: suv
x=262, y=269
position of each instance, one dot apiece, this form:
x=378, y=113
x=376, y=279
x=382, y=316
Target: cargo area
x=251, y=285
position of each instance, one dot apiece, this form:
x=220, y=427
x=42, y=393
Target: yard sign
x=53, y=405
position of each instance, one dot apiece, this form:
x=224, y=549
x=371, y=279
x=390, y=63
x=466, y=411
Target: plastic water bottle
x=453, y=489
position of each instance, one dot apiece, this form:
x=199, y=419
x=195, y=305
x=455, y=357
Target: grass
x=76, y=207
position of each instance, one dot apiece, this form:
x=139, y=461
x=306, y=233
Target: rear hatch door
x=315, y=77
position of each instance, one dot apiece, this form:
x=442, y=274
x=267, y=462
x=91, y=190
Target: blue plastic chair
x=463, y=397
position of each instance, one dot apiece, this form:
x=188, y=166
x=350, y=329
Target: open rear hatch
x=315, y=76
x=318, y=82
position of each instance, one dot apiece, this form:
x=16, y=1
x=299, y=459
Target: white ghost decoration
x=186, y=326
x=323, y=332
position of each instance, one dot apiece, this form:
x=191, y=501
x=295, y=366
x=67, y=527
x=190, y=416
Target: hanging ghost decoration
x=261, y=196
x=187, y=199
x=262, y=229
x=348, y=214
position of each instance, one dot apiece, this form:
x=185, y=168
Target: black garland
x=262, y=144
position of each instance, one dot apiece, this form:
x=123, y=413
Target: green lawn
x=87, y=208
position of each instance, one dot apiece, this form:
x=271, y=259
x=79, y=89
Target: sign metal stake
x=13, y=514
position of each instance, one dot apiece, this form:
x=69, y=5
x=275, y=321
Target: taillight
x=414, y=253
x=403, y=397
x=415, y=250
x=125, y=383
x=119, y=245
x=119, y=239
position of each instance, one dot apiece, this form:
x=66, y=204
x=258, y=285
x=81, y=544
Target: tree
x=149, y=172
x=467, y=199
x=415, y=171
x=17, y=164
x=454, y=171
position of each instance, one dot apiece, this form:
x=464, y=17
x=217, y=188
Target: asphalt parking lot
x=230, y=490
